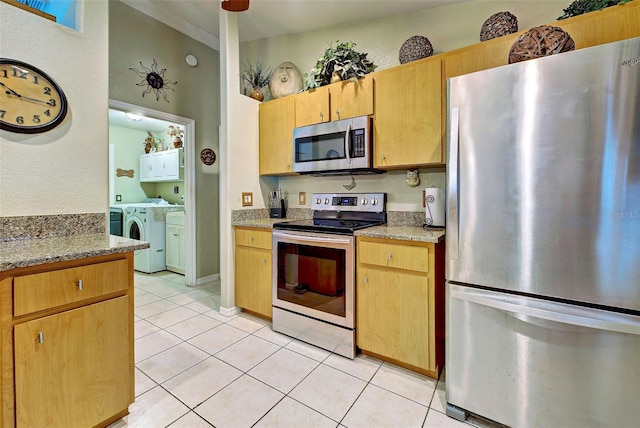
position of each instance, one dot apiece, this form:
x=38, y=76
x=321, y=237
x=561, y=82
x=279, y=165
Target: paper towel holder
x=434, y=210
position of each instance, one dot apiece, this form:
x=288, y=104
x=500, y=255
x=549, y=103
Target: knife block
x=280, y=212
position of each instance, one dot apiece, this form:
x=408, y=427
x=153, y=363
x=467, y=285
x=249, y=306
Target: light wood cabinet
x=408, y=128
x=67, y=342
x=336, y=101
x=400, y=302
x=76, y=374
x=253, y=270
x=276, y=136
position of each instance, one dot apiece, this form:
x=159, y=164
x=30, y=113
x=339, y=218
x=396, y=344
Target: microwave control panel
x=357, y=143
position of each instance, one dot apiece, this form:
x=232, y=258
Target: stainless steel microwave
x=341, y=147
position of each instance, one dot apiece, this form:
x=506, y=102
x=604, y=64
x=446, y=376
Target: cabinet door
x=352, y=99
x=146, y=168
x=158, y=166
x=176, y=244
x=80, y=372
x=393, y=315
x=312, y=106
x=408, y=113
x=276, y=136
x=253, y=280
x=171, y=165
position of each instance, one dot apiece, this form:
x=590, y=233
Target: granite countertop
x=32, y=252
x=404, y=232
x=396, y=227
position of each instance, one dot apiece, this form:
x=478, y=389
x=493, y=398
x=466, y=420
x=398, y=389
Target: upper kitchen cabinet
x=312, y=107
x=408, y=115
x=276, y=136
x=340, y=100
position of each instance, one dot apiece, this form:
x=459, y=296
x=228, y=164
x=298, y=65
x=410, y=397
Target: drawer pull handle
x=40, y=337
x=79, y=283
x=175, y=234
x=366, y=279
x=389, y=256
x=321, y=117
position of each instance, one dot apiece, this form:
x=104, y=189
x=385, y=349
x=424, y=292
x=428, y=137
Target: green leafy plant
x=344, y=60
x=579, y=7
x=257, y=76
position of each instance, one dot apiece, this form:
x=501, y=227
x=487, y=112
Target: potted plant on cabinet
x=256, y=77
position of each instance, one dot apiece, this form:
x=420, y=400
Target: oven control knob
x=326, y=201
x=318, y=201
x=374, y=202
x=364, y=201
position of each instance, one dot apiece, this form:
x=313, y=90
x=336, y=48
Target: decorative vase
x=177, y=143
x=257, y=94
x=147, y=147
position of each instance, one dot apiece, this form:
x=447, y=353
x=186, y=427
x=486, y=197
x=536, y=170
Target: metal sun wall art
x=154, y=80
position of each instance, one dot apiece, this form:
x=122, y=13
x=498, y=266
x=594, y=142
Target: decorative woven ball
x=540, y=41
x=415, y=47
x=498, y=24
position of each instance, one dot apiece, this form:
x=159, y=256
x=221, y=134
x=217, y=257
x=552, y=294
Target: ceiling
x=199, y=19
x=155, y=126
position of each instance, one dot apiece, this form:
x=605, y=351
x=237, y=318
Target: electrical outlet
x=302, y=198
x=176, y=190
x=118, y=198
x=247, y=199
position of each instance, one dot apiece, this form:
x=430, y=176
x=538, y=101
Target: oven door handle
x=308, y=237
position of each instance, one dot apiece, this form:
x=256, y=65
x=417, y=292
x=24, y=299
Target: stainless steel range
x=314, y=269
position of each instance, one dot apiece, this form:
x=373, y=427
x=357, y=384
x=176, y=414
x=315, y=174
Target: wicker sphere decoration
x=540, y=41
x=498, y=24
x=414, y=48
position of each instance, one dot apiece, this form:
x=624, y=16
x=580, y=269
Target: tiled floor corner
x=197, y=368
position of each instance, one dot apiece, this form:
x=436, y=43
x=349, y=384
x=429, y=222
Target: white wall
x=63, y=171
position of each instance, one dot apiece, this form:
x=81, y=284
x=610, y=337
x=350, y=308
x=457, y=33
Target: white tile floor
x=196, y=368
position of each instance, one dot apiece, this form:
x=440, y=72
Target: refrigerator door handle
x=452, y=186
x=597, y=319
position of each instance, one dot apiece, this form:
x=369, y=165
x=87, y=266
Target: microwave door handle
x=347, y=143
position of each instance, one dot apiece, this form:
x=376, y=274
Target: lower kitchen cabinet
x=68, y=360
x=80, y=354
x=253, y=270
x=400, y=302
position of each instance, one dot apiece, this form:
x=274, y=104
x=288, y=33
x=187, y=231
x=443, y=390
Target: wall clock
x=30, y=100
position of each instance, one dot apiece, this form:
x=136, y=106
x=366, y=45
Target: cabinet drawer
x=32, y=293
x=398, y=256
x=253, y=238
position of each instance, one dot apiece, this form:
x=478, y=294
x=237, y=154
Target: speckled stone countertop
x=400, y=224
x=33, y=252
x=407, y=233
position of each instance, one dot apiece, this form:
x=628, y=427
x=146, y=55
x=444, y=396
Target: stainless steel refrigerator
x=543, y=241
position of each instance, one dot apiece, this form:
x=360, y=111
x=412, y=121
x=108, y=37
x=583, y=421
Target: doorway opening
x=159, y=121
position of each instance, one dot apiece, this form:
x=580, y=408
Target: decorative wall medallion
x=154, y=80
x=208, y=156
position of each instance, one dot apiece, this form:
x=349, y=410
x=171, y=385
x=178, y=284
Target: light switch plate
x=302, y=198
x=247, y=199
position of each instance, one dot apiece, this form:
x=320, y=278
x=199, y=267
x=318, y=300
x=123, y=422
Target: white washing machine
x=141, y=223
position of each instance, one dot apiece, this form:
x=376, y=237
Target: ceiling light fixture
x=235, y=5
x=134, y=116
